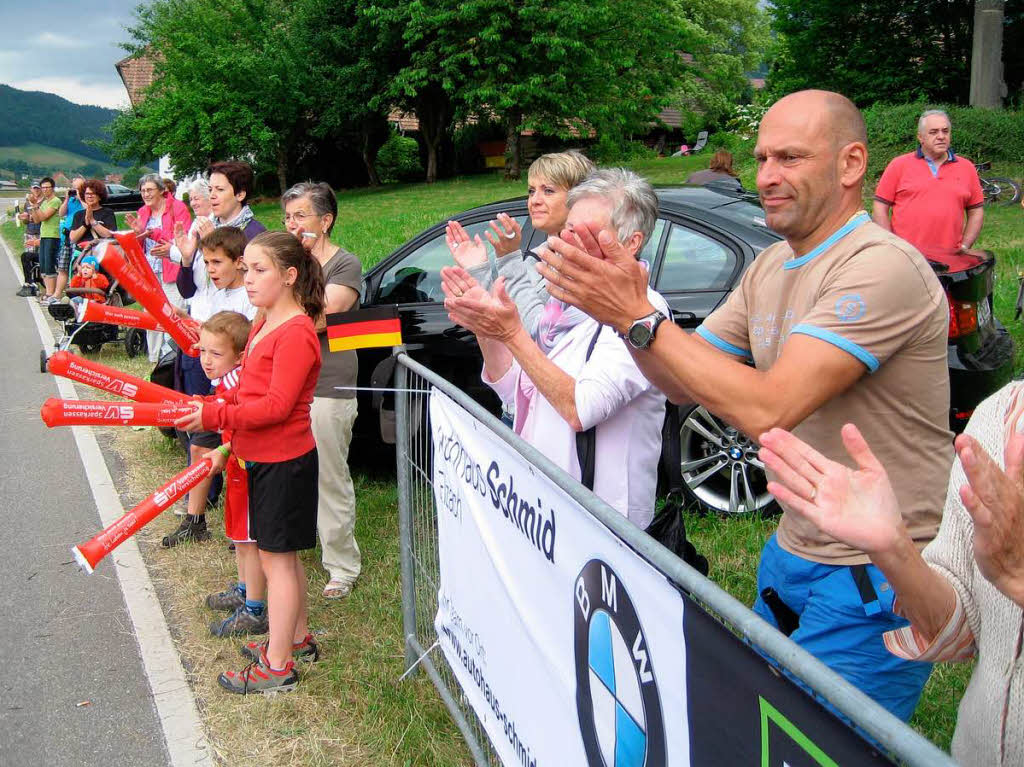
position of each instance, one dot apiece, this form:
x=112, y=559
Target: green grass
x=384, y=722
x=43, y=156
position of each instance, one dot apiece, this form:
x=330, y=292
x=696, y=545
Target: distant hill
x=32, y=117
x=39, y=160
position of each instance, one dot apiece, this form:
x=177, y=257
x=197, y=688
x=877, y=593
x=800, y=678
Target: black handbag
x=668, y=527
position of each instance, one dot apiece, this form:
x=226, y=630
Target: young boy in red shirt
x=222, y=340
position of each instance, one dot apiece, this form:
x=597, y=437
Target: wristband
x=224, y=450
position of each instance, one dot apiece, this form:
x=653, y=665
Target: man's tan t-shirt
x=874, y=296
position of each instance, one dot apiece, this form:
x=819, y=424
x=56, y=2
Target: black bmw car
x=703, y=241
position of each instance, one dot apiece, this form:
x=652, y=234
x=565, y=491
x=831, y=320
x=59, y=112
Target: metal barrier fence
x=420, y=571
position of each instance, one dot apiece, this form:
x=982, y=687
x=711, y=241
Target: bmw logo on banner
x=616, y=687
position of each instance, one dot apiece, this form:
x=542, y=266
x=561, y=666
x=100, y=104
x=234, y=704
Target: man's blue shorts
x=841, y=627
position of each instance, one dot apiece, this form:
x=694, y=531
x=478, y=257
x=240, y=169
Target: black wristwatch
x=641, y=333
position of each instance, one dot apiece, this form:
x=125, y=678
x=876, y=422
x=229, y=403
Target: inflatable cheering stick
x=137, y=258
x=88, y=554
x=91, y=311
x=63, y=412
x=99, y=376
x=181, y=329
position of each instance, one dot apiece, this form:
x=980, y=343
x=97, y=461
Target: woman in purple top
x=231, y=186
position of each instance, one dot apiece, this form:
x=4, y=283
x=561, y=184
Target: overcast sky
x=64, y=47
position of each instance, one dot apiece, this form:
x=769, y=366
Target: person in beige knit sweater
x=963, y=595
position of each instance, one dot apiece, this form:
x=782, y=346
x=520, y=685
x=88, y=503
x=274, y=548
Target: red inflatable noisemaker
x=136, y=257
x=152, y=297
x=64, y=412
x=88, y=554
x=91, y=311
x=99, y=376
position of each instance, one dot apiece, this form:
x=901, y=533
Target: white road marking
x=175, y=705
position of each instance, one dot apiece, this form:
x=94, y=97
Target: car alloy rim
x=720, y=465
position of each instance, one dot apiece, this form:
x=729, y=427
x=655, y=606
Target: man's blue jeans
x=840, y=629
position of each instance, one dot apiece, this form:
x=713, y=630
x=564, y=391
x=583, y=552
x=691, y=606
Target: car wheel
x=42, y=360
x=720, y=468
x=90, y=348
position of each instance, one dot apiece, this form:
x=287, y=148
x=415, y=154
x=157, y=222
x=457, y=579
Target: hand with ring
x=507, y=235
x=467, y=251
x=456, y=282
x=857, y=507
x=488, y=315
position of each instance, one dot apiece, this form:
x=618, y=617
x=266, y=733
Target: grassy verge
x=350, y=710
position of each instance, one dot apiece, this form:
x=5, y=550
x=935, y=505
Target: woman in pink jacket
x=155, y=223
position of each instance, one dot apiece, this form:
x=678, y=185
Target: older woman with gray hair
x=310, y=211
x=156, y=223
x=578, y=395
x=193, y=282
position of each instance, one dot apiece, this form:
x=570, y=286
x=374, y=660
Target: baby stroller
x=89, y=337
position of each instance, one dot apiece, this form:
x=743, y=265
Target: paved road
x=73, y=690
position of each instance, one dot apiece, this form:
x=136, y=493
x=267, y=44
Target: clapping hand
x=160, y=250
x=184, y=243
x=204, y=227
x=132, y=220
x=507, y=235
x=467, y=251
x=488, y=315
x=589, y=269
x=994, y=498
x=857, y=507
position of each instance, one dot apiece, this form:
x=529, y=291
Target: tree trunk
x=513, y=147
x=433, y=110
x=987, y=86
x=369, y=160
x=282, y=168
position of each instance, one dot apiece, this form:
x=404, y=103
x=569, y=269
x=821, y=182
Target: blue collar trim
x=950, y=155
x=796, y=263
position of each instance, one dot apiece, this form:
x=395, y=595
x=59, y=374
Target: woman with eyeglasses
x=155, y=224
x=94, y=221
x=310, y=211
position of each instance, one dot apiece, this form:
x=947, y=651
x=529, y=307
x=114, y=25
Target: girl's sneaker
x=307, y=650
x=258, y=677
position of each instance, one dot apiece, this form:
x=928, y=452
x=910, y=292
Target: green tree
x=877, y=50
x=131, y=176
x=730, y=39
x=229, y=82
x=352, y=59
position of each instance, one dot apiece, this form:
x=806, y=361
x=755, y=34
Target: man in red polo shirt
x=929, y=191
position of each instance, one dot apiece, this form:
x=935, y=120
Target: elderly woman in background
x=155, y=224
x=550, y=178
x=310, y=211
x=719, y=173
x=193, y=282
x=964, y=594
x=572, y=375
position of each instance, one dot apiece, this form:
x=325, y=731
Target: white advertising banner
x=568, y=646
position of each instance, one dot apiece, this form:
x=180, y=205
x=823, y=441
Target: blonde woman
x=550, y=178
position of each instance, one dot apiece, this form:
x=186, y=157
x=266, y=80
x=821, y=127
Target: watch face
x=640, y=335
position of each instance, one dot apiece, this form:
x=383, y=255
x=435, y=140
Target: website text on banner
x=571, y=649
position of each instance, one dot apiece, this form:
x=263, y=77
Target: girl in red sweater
x=268, y=415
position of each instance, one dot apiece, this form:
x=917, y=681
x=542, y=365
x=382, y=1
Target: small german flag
x=364, y=328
